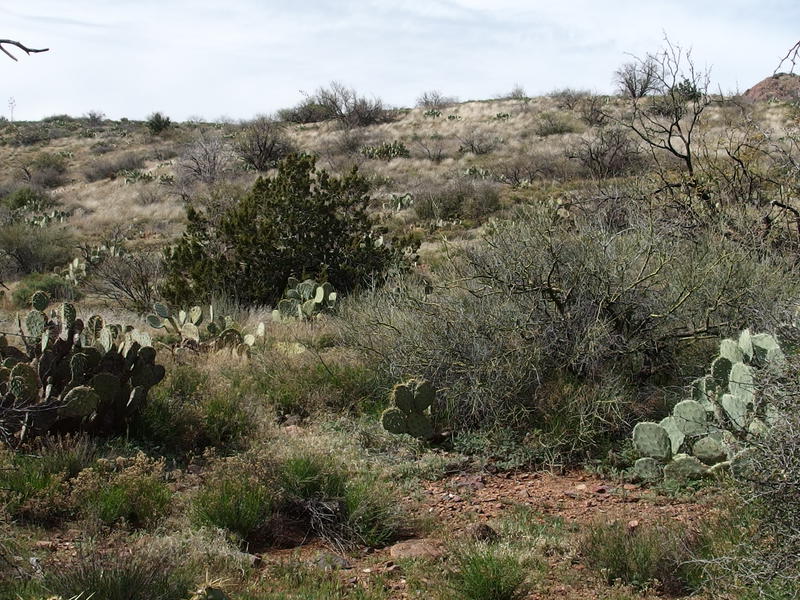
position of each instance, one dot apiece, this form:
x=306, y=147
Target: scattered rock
x=481, y=532
x=330, y=562
x=418, y=548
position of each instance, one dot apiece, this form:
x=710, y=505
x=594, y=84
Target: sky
x=240, y=58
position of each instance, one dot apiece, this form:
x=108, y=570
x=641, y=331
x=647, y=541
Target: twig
x=21, y=46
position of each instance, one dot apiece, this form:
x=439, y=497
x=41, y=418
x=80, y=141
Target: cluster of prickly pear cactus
x=77, y=270
x=222, y=333
x=411, y=403
x=73, y=375
x=707, y=432
x=305, y=300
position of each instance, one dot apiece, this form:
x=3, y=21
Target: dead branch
x=19, y=45
x=791, y=57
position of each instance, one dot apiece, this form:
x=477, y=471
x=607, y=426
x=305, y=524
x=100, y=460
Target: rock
x=650, y=439
x=481, y=532
x=647, y=469
x=676, y=436
x=684, y=468
x=709, y=451
x=330, y=562
x=690, y=417
x=418, y=548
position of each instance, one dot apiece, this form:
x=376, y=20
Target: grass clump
x=56, y=287
x=644, y=557
x=129, y=490
x=485, y=572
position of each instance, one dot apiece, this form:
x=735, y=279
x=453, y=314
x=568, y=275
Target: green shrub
x=643, y=557
x=553, y=124
x=109, y=167
x=233, y=502
x=302, y=222
x=32, y=482
x=28, y=248
x=484, y=572
x=124, y=576
x=460, y=198
x=25, y=197
x=55, y=286
x=307, y=111
x=133, y=492
x=158, y=123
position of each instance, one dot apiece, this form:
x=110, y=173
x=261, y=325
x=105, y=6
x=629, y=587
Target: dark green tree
x=301, y=222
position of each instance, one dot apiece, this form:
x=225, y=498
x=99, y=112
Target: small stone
x=418, y=548
x=481, y=532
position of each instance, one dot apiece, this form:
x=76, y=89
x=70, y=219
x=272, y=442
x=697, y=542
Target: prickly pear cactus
x=305, y=300
x=713, y=426
x=411, y=404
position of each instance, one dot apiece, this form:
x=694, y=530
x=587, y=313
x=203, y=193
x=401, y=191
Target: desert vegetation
x=501, y=349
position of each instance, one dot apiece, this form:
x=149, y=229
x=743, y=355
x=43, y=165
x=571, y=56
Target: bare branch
x=791, y=57
x=21, y=46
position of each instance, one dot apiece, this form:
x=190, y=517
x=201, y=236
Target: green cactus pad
x=746, y=345
x=394, y=420
x=676, y=436
x=424, y=396
x=720, y=370
x=650, y=439
x=162, y=310
x=647, y=469
x=190, y=332
x=80, y=402
x=684, y=468
x=40, y=300
x=709, y=451
x=68, y=315
x=690, y=417
x=35, y=323
x=196, y=315
x=419, y=425
x=107, y=386
x=155, y=321
x=402, y=397
x=730, y=349
x=704, y=392
x=766, y=349
x=736, y=409
x=741, y=382
x=137, y=399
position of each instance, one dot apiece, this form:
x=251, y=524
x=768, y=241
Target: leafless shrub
x=207, y=160
x=592, y=110
x=476, y=142
x=348, y=108
x=637, y=79
x=459, y=198
x=569, y=98
x=129, y=281
x=433, y=147
x=261, y=143
x=610, y=153
x=108, y=167
x=550, y=123
x=434, y=99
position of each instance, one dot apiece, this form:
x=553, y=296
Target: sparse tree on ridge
x=19, y=45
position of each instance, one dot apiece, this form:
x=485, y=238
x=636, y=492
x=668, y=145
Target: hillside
x=528, y=348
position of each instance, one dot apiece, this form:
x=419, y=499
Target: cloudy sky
x=238, y=58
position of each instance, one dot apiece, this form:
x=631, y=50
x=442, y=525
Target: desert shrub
x=610, y=153
x=158, y=123
x=550, y=123
x=29, y=249
x=25, y=197
x=107, y=168
x=94, y=118
x=47, y=170
x=569, y=98
x=433, y=147
x=592, y=110
x=256, y=493
x=239, y=504
x=207, y=159
x=546, y=302
x=348, y=107
x=307, y=111
x=645, y=556
x=484, y=572
x=130, y=490
x=476, y=142
x=459, y=198
x=301, y=222
x=434, y=99
x=637, y=79
x=129, y=280
x=262, y=142
x=109, y=576
x=33, y=480
x=56, y=287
